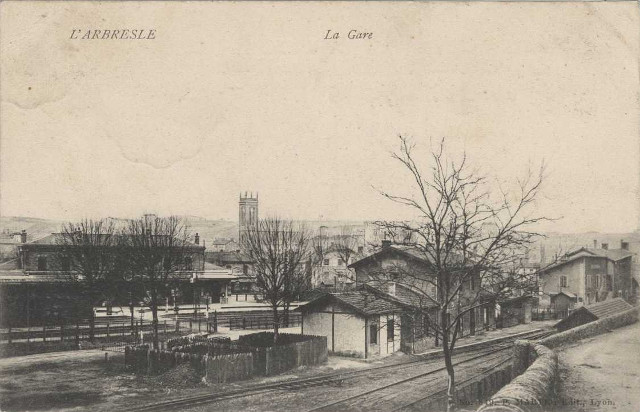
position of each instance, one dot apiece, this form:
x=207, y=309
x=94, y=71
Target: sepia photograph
x=323, y=206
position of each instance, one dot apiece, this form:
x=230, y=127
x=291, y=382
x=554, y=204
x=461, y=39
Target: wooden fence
x=229, y=368
x=251, y=320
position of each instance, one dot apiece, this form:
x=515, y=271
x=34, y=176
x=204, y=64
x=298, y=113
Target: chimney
x=386, y=243
x=624, y=245
x=197, y=239
x=605, y=246
x=595, y=243
x=23, y=236
x=392, y=288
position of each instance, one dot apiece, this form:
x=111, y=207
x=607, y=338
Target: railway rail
x=336, y=378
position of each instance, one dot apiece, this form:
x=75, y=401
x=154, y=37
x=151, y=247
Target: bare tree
x=87, y=256
x=280, y=250
x=466, y=232
x=159, y=252
x=346, y=246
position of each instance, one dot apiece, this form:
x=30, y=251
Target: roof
x=227, y=257
x=12, y=264
x=52, y=239
x=563, y=292
x=610, y=254
x=607, y=307
x=596, y=311
x=613, y=254
x=409, y=252
x=361, y=301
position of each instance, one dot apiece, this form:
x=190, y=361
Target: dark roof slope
x=398, y=250
x=614, y=255
x=608, y=307
x=361, y=301
x=593, y=312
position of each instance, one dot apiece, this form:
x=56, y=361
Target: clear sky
x=234, y=97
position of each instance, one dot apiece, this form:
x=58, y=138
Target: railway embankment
x=535, y=367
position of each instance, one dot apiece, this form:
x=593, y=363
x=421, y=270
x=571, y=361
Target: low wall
x=592, y=328
x=531, y=391
x=228, y=368
x=534, y=389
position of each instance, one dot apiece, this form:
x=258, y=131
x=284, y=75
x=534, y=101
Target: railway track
x=337, y=378
x=385, y=397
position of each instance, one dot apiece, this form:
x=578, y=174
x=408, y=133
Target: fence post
x=244, y=323
x=28, y=333
x=190, y=325
x=215, y=321
x=165, y=328
x=77, y=333
x=44, y=333
x=61, y=332
x=199, y=324
x=9, y=336
x=107, y=331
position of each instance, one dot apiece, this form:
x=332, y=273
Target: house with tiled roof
x=402, y=266
x=392, y=307
x=369, y=322
x=590, y=275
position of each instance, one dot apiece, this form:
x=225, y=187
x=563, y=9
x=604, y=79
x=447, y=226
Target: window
x=326, y=262
x=42, y=263
x=373, y=334
x=596, y=280
x=563, y=281
x=390, y=330
x=188, y=263
x=360, y=249
x=245, y=269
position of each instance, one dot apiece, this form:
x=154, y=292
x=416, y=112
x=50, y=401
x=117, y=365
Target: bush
x=193, y=339
x=265, y=339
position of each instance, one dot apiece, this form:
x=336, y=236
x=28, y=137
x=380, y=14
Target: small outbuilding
x=516, y=310
x=590, y=313
x=367, y=322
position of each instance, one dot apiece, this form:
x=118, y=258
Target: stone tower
x=248, y=209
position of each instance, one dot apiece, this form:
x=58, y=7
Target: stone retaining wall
x=592, y=328
x=531, y=391
x=534, y=389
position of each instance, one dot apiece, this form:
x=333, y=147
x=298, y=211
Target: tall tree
x=280, y=249
x=466, y=231
x=87, y=255
x=160, y=253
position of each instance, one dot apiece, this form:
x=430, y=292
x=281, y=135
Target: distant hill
x=36, y=228
x=210, y=229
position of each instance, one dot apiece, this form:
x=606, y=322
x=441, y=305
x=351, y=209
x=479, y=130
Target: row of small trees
x=139, y=260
